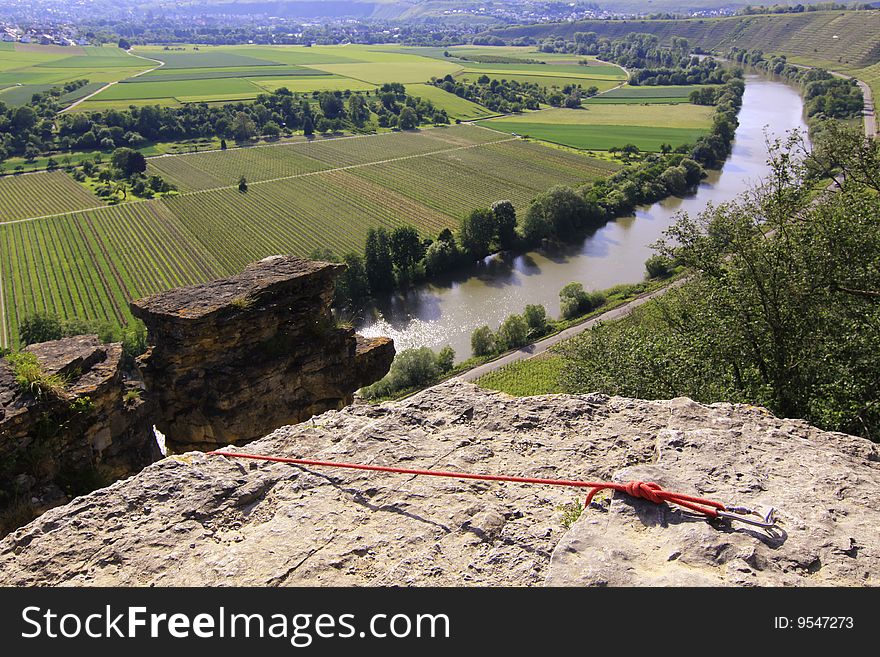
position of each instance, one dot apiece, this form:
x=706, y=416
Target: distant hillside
x=842, y=39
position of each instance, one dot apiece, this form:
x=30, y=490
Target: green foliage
x=505, y=224
x=446, y=359
x=513, y=332
x=476, y=233
x=483, y=342
x=575, y=301
x=570, y=512
x=30, y=377
x=536, y=318
x=781, y=309
x=411, y=368
x=658, y=266
x=378, y=261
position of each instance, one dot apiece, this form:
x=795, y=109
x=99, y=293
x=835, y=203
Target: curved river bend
x=447, y=312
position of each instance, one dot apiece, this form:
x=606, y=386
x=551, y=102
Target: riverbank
x=447, y=312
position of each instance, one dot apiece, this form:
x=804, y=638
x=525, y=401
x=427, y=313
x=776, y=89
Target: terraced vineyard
x=323, y=194
x=90, y=264
x=42, y=194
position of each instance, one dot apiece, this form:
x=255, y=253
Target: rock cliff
x=237, y=357
x=199, y=520
x=230, y=361
x=69, y=442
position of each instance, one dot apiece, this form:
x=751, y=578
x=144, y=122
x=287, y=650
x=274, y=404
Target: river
x=447, y=312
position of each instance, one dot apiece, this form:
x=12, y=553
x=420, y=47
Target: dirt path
x=4, y=336
x=110, y=84
x=540, y=347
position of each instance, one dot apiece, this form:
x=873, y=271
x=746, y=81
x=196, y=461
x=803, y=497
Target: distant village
x=55, y=36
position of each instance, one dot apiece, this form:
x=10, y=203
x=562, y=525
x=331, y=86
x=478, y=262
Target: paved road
x=534, y=349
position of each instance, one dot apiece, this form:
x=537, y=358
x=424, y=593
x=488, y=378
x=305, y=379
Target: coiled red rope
x=638, y=489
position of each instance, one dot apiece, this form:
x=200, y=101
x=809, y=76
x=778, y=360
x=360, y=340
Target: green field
x=607, y=72
x=640, y=95
x=174, y=89
x=605, y=126
x=322, y=193
x=40, y=194
x=534, y=376
x=456, y=108
x=544, y=80
x=603, y=137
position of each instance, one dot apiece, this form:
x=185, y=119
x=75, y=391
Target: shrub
x=513, y=332
x=658, y=266
x=483, y=342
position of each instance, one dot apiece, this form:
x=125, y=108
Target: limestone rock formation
x=204, y=520
x=47, y=447
x=237, y=357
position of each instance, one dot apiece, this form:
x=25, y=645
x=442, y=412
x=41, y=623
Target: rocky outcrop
x=199, y=520
x=68, y=442
x=235, y=358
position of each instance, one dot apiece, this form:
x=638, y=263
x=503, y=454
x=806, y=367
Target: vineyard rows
x=37, y=195
x=90, y=264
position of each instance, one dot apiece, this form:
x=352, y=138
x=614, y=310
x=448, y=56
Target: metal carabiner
x=742, y=514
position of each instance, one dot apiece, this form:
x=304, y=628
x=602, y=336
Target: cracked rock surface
x=202, y=520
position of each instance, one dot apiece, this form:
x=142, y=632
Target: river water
x=447, y=312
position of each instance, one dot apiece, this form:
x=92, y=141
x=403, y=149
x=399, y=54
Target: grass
x=30, y=378
x=602, y=127
x=225, y=87
x=544, y=80
x=602, y=72
x=39, y=194
x=535, y=376
x=456, y=108
x=90, y=264
x=163, y=75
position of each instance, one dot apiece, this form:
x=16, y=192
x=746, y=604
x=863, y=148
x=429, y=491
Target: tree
x=780, y=310
x=124, y=44
x=408, y=119
x=271, y=129
x=575, y=301
x=331, y=105
x=308, y=126
x=40, y=327
x=406, y=248
x=441, y=256
x=243, y=127
x=505, y=224
x=352, y=286
x=446, y=359
x=536, y=318
x=222, y=144
x=476, y=233
x=242, y=185
x=358, y=111
x=513, y=332
x=483, y=342
x=377, y=262
x=128, y=162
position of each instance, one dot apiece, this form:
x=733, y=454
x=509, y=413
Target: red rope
x=639, y=489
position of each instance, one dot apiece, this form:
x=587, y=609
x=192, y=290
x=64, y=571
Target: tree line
x=396, y=259
x=790, y=321
x=826, y=96
x=38, y=128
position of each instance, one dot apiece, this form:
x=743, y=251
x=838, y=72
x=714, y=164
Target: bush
x=575, y=301
x=483, y=342
x=411, y=368
x=446, y=359
x=658, y=266
x=513, y=332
